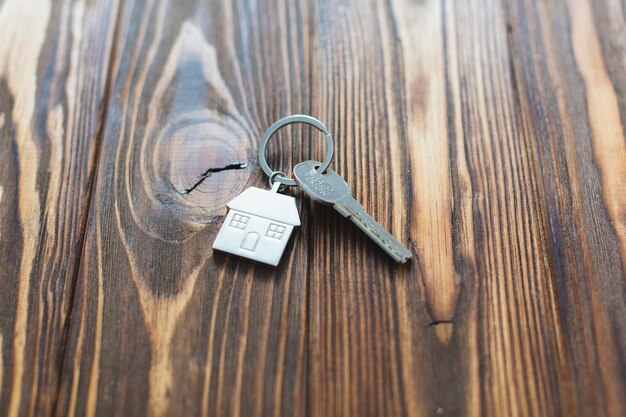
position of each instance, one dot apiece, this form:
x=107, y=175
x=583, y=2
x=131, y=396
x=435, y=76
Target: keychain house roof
x=258, y=225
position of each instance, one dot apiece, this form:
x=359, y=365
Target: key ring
x=296, y=118
x=273, y=181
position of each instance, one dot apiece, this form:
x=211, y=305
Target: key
x=330, y=189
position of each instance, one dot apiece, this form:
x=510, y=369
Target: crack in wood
x=206, y=174
x=438, y=322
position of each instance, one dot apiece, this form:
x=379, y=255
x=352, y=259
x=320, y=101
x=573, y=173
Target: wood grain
x=192, y=93
x=53, y=73
x=578, y=138
x=489, y=136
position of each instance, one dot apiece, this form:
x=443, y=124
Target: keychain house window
x=258, y=225
x=239, y=221
x=275, y=231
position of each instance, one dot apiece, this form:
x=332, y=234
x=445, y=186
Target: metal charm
x=258, y=225
x=259, y=222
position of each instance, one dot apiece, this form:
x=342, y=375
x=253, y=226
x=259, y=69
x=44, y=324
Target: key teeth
x=401, y=256
x=405, y=259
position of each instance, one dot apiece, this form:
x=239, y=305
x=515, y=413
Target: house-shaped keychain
x=258, y=225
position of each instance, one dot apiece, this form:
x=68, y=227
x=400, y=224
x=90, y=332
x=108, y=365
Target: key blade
x=326, y=188
x=357, y=214
x=329, y=188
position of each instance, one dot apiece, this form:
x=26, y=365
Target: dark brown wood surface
x=489, y=136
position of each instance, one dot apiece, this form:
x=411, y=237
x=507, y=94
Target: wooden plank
x=53, y=67
x=488, y=135
x=379, y=330
x=570, y=74
x=162, y=326
x=441, y=127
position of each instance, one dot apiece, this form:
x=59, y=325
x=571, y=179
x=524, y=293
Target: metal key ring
x=296, y=118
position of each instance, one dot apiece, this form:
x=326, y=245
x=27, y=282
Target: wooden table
x=489, y=136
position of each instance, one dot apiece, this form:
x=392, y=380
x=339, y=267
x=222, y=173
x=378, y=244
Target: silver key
x=330, y=189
